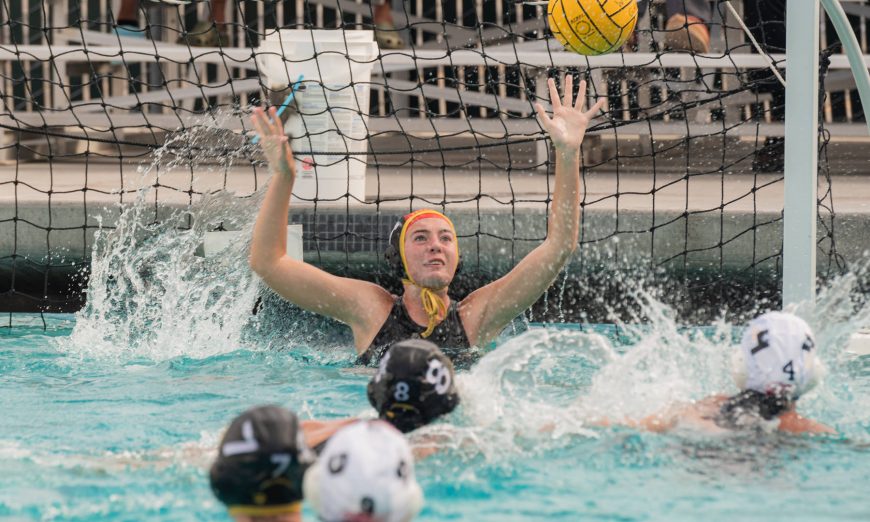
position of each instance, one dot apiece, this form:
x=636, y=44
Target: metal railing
x=59, y=72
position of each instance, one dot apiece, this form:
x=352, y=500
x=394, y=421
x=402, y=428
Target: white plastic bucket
x=216, y=242
x=332, y=104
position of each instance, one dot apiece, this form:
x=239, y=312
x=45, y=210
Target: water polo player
x=774, y=366
x=260, y=465
x=365, y=473
x=414, y=385
x=425, y=251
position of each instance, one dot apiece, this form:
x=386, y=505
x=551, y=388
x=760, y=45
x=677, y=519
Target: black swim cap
x=745, y=409
x=260, y=463
x=391, y=254
x=414, y=385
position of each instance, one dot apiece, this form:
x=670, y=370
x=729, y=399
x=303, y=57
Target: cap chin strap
x=266, y=511
x=434, y=306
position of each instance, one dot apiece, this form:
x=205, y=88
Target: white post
x=801, y=151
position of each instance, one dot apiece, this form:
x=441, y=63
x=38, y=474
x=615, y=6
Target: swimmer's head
x=365, y=473
x=414, y=385
x=423, y=249
x=260, y=464
x=777, y=356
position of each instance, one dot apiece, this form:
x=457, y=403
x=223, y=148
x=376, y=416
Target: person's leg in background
x=213, y=32
x=128, y=13
x=686, y=28
x=385, y=27
x=766, y=21
x=127, y=19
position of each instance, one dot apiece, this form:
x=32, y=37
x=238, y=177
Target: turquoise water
x=94, y=434
x=114, y=413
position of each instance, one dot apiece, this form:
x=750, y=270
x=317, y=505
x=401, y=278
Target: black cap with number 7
x=260, y=463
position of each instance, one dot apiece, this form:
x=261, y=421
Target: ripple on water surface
x=128, y=438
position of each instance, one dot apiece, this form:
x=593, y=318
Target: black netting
x=680, y=175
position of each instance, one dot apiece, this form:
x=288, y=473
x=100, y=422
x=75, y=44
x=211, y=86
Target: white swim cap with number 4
x=365, y=473
x=777, y=354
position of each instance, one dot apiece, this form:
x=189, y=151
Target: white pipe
x=398, y=60
x=801, y=152
x=755, y=43
x=853, y=51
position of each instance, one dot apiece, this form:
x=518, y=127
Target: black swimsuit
x=449, y=335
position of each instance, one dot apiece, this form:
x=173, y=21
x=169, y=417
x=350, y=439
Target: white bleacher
x=184, y=70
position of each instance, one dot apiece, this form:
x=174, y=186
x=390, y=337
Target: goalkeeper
x=425, y=251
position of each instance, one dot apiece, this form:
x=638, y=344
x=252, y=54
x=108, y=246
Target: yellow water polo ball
x=592, y=27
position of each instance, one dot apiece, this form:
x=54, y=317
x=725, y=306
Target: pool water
x=115, y=413
x=129, y=434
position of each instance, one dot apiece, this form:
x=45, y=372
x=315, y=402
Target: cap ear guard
x=816, y=372
x=738, y=368
x=415, y=503
x=394, y=258
x=391, y=254
x=311, y=487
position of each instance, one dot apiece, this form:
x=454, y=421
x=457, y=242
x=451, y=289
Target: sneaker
x=388, y=37
x=687, y=33
x=129, y=30
x=771, y=157
x=631, y=45
x=205, y=34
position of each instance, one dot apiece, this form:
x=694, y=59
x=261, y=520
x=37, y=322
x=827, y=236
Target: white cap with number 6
x=364, y=474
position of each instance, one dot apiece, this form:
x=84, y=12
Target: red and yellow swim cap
x=432, y=303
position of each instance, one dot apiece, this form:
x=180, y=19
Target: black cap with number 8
x=414, y=385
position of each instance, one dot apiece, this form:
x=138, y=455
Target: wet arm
x=351, y=301
x=317, y=432
x=793, y=423
x=491, y=308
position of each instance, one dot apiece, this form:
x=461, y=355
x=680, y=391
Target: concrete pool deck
x=693, y=212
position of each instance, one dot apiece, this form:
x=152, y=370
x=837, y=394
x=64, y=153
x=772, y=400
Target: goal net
x=682, y=176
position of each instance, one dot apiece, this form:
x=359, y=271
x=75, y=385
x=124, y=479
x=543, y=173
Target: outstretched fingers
x=568, y=91
x=593, y=112
x=543, y=118
x=580, y=102
x=275, y=122
x=267, y=123
x=554, y=94
x=257, y=117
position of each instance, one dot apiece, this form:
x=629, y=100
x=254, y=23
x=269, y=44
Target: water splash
x=516, y=394
x=151, y=296
x=533, y=385
x=205, y=145
x=840, y=310
x=666, y=364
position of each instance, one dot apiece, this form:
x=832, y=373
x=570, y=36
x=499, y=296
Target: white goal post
x=801, y=137
x=801, y=151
